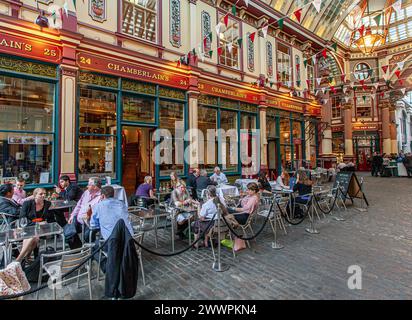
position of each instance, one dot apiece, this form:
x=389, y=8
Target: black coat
x=28, y=210
x=202, y=182
x=191, y=181
x=73, y=192
x=10, y=207
x=122, y=264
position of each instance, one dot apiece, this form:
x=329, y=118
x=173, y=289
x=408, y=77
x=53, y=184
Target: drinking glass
x=23, y=222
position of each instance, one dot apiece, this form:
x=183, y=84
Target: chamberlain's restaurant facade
x=84, y=96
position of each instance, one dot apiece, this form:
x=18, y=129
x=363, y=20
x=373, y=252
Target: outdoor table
x=244, y=182
x=225, y=190
x=62, y=204
x=39, y=230
x=402, y=170
x=163, y=194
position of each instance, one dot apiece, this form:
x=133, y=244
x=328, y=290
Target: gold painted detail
x=248, y=107
x=139, y=87
x=231, y=104
x=28, y=67
x=98, y=80
x=171, y=93
x=205, y=99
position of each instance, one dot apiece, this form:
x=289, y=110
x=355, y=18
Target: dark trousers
x=71, y=232
x=409, y=172
x=375, y=170
x=59, y=217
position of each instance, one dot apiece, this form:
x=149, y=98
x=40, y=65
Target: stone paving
x=309, y=266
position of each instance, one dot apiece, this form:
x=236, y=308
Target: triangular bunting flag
x=335, y=46
x=332, y=88
x=325, y=101
x=226, y=19
x=342, y=77
x=347, y=99
x=305, y=62
x=385, y=69
x=397, y=6
x=239, y=42
x=247, y=3
x=398, y=73
x=378, y=19
x=382, y=94
x=401, y=65
x=318, y=80
x=210, y=36
x=234, y=9
x=218, y=27
x=403, y=91
x=280, y=23
x=265, y=31
x=324, y=53
x=362, y=82
x=361, y=30
x=364, y=99
x=388, y=83
x=323, y=90
x=298, y=14
x=317, y=4
x=314, y=59
x=345, y=89
x=400, y=82
x=210, y=54
x=376, y=85
x=219, y=51
x=330, y=79
x=178, y=63
x=230, y=47
x=74, y=3
x=252, y=36
x=271, y=84
x=308, y=83
x=298, y=82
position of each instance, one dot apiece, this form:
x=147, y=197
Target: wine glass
x=23, y=222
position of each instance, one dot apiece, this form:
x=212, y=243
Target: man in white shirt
x=219, y=176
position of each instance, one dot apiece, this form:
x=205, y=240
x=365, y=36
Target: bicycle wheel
x=292, y=217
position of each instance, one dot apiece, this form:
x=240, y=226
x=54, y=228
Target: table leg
x=172, y=221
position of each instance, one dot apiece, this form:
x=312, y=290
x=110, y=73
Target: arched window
x=362, y=71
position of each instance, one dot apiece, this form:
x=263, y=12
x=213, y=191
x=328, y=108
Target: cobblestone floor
x=309, y=266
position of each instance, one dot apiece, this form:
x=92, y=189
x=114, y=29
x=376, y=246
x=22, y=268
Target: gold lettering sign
x=138, y=72
x=16, y=45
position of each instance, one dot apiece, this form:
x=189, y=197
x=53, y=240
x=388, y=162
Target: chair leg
x=78, y=279
x=39, y=281
x=156, y=240
x=141, y=267
x=89, y=276
x=245, y=235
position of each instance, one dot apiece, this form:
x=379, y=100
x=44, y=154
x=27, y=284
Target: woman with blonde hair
x=174, y=180
x=34, y=211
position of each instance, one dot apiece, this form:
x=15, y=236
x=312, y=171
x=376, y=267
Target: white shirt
x=279, y=184
x=221, y=178
x=208, y=210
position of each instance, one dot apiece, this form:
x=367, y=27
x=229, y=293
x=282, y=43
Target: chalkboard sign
x=349, y=185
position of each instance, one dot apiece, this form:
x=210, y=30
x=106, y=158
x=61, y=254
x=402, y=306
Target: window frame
x=55, y=117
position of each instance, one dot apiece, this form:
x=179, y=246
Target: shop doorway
x=137, y=150
x=365, y=145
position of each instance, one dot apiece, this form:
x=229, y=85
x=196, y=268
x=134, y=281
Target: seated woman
x=282, y=181
x=247, y=205
x=35, y=210
x=264, y=183
x=304, y=187
x=174, y=180
x=180, y=198
x=145, y=191
x=207, y=213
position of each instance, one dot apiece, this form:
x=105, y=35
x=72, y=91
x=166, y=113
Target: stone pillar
x=68, y=145
x=386, y=135
x=194, y=138
x=263, y=138
x=394, y=139
x=326, y=153
x=347, y=113
x=193, y=23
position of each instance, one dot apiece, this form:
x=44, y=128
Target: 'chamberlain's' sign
x=228, y=92
x=129, y=70
x=285, y=105
x=29, y=48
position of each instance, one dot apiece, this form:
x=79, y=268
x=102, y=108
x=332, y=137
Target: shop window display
x=26, y=130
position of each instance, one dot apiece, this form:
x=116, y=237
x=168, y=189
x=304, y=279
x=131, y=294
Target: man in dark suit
x=203, y=181
x=191, y=183
x=68, y=190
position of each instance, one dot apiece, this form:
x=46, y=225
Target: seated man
x=203, y=181
x=105, y=216
x=81, y=213
x=218, y=176
x=19, y=194
x=67, y=190
x=7, y=204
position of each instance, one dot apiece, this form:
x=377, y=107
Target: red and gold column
x=347, y=116
x=386, y=134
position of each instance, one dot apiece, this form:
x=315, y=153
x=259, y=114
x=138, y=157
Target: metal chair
x=5, y=224
x=69, y=260
x=146, y=214
x=248, y=225
x=224, y=230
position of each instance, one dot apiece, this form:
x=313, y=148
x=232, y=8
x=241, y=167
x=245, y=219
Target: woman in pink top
x=248, y=205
